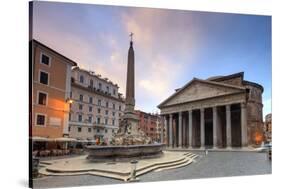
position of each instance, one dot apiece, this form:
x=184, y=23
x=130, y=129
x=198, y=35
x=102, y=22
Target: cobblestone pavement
x=215, y=164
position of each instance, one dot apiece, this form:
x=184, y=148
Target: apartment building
x=150, y=124
x=97, y=106
x=51, y=86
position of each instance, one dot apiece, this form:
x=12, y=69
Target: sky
x=171, y=46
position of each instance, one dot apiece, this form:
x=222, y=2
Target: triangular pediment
x=200, y=89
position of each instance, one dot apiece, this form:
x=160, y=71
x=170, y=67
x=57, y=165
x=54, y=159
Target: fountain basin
x=119, y=153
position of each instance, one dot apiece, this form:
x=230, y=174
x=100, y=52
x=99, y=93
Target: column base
x=202, y=148
x=214, y=147
x=228, y=148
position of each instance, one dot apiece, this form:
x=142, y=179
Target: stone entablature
x=205, y=103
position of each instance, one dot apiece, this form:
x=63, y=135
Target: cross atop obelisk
x=131, y=36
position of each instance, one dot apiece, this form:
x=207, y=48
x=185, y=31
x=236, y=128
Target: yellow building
x=51, y=86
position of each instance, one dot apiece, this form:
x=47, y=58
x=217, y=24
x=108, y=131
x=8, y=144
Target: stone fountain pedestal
x=129, y=143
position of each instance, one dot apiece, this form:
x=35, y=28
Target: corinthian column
x=228, y=126
x=180, y=129
x=244, y=133
x=190, y=128
x=202, y=127
x=171, y=130
x=215, y=120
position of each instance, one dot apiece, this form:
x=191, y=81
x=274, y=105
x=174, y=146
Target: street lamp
x=69, y=101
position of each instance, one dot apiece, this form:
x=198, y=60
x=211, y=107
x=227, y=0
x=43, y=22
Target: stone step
x=184, y=160
x=166, y=164
x=177, y=166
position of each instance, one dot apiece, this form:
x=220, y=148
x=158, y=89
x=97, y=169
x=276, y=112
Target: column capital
x=228, y=107
x=243, y=104
x=202, y=110
x=170, y=115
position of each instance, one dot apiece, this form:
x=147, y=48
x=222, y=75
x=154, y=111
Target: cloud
x=164, y=44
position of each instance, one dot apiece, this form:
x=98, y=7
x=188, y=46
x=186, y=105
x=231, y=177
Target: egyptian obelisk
x=129, y=132
x=129, y=115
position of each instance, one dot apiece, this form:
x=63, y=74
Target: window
x=69, y=116
x=98, y=130
x=90, y=119
x=42, y=98
x=98, y=110
x=99, y=102
x=112, y=130
x=70, y=94
x=89, y=130
x=80, y=118
x=107, y=89
x=106, y=112
x=113, y=122
x=44, y=78
x=106, y=104
x=91, y=83
x=81, y=97
x=106, y=121
x=100, y=86
x=45, y=59
x=119, y=107
x=90, y=108
x=91, y=100
x=69, y=128
x=113, y=105
x=151, y=129
x=105, y=130
x=98, y=120
x=114, y=91
x=40, y=120
x=113, y=113
x=119, y=114
x=79, y=129
x=80, y=106
x=81, y=79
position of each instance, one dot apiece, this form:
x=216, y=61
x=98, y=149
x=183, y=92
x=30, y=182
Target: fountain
x=129, y=142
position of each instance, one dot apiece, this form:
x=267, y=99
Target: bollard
x=133, y=171
x=206, y=152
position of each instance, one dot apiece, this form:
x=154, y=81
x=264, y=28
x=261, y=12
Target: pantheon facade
x=218, y=112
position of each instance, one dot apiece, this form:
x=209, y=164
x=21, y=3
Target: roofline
x=94, y=75
x=91, y=91
x=52, y=50
x=241, y=74
x=245, y=82
x=204, y=81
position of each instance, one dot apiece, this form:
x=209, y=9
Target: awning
x=62, y=139
x=39, y=139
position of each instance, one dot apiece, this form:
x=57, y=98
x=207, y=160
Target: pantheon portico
x=219, y=112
